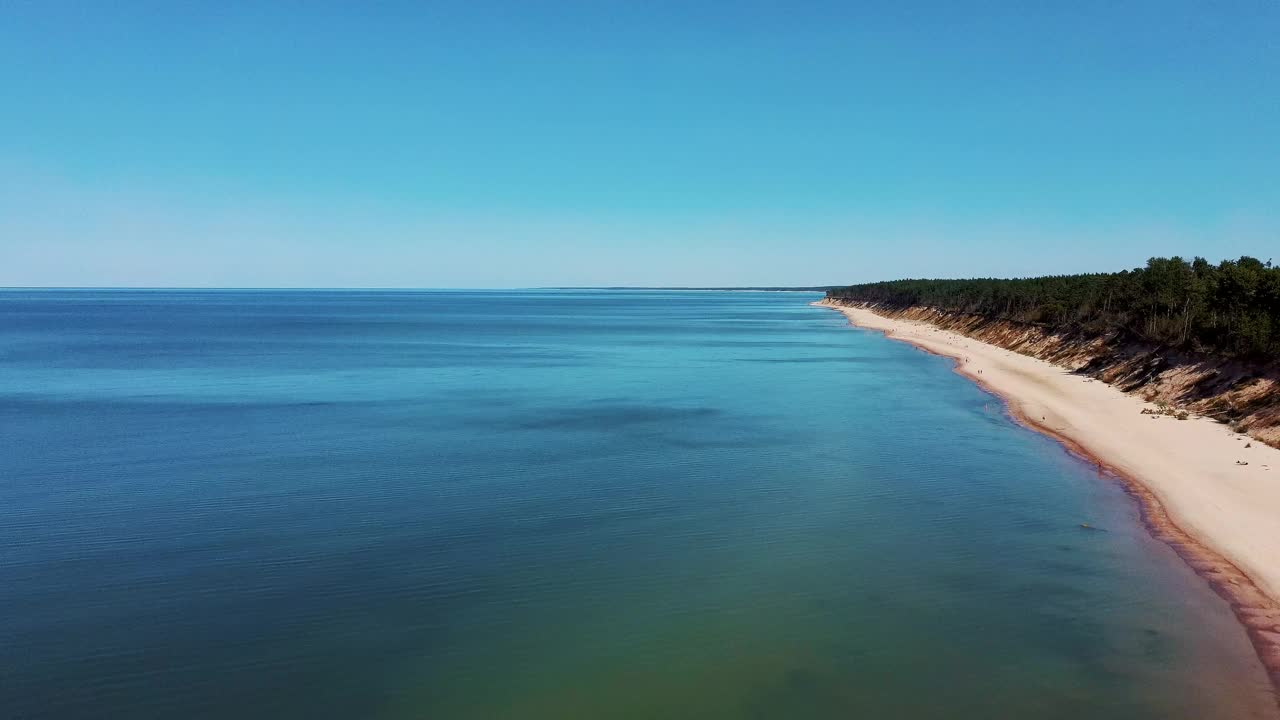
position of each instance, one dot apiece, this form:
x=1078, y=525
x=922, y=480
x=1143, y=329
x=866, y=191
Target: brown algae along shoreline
x=1253, y=606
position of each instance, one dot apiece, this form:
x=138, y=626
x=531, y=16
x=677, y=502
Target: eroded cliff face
x=1244, y=395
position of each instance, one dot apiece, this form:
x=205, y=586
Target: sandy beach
x=1221, y=516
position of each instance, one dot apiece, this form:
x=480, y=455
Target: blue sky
x=477, y=144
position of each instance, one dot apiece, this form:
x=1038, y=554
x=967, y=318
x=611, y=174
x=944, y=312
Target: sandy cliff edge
x=1221, y=517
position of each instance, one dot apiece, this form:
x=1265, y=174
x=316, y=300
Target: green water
x=558, y=505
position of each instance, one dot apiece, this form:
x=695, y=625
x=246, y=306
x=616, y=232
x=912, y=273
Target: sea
x=558, y=504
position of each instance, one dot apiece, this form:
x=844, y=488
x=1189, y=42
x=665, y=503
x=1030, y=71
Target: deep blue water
x=290, y=504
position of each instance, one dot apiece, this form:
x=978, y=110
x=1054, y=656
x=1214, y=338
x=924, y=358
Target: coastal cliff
x=1205, y=491
x=1242, y=393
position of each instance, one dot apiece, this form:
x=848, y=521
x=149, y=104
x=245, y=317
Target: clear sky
x=476, y=144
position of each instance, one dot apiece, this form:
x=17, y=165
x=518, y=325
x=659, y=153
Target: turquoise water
x=557, y=505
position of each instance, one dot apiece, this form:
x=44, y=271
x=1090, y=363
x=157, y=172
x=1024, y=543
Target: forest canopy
x=1231, y=308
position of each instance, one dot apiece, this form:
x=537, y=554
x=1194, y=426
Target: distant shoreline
x=1221, y=518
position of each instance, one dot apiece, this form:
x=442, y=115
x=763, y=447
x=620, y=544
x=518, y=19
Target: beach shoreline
x=1220, y=517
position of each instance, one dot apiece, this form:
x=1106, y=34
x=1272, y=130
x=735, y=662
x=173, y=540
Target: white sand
x=1189, y=466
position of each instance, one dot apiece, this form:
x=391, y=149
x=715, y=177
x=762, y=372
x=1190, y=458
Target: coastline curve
x=1257, y=612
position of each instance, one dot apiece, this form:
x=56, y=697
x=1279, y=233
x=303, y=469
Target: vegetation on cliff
x=1232, y=308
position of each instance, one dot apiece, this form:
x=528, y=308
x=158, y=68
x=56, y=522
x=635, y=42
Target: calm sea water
x=557, y=505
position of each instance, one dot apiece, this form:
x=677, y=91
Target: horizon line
x=216, y=288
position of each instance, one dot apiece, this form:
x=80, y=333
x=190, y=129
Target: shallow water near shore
x=547, y=504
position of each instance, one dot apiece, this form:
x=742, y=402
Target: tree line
x=1232, y=308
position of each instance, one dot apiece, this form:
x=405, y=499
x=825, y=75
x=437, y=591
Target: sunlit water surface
x=557, y=505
